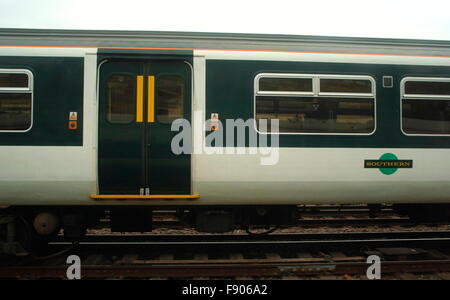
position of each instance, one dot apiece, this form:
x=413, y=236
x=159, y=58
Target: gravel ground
x=299, y=229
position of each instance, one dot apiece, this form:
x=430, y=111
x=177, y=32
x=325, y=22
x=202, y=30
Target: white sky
x=422, y=19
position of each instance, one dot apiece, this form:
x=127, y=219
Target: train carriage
x=229, y=129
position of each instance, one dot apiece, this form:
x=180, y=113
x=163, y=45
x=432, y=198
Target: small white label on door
x=73, y=116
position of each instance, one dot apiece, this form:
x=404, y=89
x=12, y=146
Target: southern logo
x=388, y=164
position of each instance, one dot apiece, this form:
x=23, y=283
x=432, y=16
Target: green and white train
x=87, y=127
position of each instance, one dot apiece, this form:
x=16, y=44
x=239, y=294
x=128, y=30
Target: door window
x=121, y=99
x=170, y=96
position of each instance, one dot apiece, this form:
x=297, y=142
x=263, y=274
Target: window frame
x=317, y=94
x=20, y=90
x=424, y=97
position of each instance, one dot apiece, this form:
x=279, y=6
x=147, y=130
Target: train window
x=15, y=111
x=353, y=86
x=427, y=88
x=425, y=106
x=334, y=104
x=15, y=100
x=426, y=116
x=317, y=115
x=169, y=98
x=269, y=84
x=121, y=99
x=13, y=80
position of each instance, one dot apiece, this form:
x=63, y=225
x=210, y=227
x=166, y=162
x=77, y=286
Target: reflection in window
x=170, y=98
x=346, y=86
x=426, y=116
x=121, y=99
x=15, y=100
x=13, y=80
x=427, y=88
x=426, y=106
x=317, y=115
x=15, y=111
x=286, y=84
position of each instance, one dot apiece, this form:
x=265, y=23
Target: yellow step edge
x=101, y=197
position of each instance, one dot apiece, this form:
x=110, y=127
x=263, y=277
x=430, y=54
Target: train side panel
x=48, y=170
x=319, y=168
x=49, y=163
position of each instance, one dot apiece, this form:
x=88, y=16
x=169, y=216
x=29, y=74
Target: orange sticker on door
x=214, y=121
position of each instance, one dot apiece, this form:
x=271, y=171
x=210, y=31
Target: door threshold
x=143, y=197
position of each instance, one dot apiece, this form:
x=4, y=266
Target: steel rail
x=116, y=245
x=224, y=243
x=245, y=238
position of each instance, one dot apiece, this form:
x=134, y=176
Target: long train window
x=16, y=88
x=425, y=105
x=330, y=104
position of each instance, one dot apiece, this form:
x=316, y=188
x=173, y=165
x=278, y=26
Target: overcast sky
x=378, y=18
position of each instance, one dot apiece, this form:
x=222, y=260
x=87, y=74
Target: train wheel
x=26, y=237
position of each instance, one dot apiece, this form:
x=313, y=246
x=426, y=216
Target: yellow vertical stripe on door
x=140, y=99
x=151, y=99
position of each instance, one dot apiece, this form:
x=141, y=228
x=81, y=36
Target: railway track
x=233, y=270
x=290, y=239
x=243, y=257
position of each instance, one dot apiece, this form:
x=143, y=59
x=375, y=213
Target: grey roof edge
x=114, y=34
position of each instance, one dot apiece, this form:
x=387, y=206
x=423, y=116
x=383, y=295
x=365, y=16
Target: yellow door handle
x=140, y=99
x=151, y=99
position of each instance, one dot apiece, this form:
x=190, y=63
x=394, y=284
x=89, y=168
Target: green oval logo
x=388, y=171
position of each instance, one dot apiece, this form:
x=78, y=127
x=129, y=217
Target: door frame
x=101, y=60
